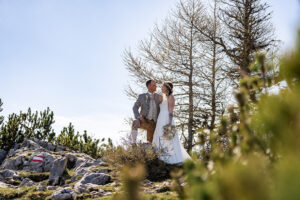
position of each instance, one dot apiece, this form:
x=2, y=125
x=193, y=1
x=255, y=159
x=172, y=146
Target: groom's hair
x=148, y=83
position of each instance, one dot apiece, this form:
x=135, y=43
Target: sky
x=67, y=55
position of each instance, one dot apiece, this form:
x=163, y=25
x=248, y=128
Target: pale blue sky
x=67, y=55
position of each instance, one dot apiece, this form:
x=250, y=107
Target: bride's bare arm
x=171, y=104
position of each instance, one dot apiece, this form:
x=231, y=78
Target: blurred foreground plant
x=254, y=153
x=131, y=178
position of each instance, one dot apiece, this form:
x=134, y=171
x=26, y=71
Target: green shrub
x=26, y=125
x=83, y=143
x=19, y=127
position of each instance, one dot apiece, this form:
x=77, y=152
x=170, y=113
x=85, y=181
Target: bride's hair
x=169, y=87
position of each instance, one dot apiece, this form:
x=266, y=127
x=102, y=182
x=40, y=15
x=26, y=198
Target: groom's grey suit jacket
x=143, y=102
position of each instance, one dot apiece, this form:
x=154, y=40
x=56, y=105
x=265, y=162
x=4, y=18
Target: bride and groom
x=156, y=111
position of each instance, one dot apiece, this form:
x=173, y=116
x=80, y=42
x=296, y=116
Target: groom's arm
x=136, y=107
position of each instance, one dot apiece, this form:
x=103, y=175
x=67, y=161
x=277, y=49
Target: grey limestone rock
x=56, y=173
x=96, y=178
x=26, y=182
x=63, y=194
x=4, y=185
x=2, y=155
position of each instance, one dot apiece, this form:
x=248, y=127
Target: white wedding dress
x=171, y=150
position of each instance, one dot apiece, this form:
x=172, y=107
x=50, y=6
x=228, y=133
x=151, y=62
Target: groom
x=147, y=116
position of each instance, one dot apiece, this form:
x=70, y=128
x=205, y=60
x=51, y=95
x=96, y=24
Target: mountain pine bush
x=39, y=125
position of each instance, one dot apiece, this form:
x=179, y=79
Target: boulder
x=51, y=187
x=8, y=174
x=48, y=146
x=89, y=162
x=79, y=174
x=33, y=166
x=30, y=144
x=26, y=182
x=9, y=164
x=72, y=159
x=85, y=188
x=96, y=178
x=4, y=185
x=41, y=188
x=57, y=171
x=63, y=194
x=48, y=161
x=2, y=155
x=12, y=152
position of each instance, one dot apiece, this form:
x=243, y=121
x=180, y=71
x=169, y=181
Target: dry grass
x=129, y=155
x=141, y=153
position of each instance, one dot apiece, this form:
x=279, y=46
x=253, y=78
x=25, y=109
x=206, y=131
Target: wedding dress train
x=171, y=150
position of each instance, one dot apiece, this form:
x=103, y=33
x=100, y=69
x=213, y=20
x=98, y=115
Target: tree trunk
x=191, y=98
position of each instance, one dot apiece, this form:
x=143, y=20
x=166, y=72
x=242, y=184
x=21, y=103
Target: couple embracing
x=156, y=111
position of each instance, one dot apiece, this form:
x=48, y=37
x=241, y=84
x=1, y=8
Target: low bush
x=140, y=153
x=19, y=127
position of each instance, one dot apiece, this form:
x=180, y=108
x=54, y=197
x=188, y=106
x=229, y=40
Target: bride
x=171, y=150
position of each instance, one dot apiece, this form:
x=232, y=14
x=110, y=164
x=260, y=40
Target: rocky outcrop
x=57, y=171
x=9, y=174
x=27, y=162
x=21, y=157
x=43, y=166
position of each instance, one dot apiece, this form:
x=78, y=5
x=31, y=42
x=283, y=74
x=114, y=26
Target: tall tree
x=1, y=109
x=174, y=52
x=248, y=30
x=214, y=80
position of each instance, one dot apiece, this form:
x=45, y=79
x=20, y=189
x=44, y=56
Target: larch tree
x=174, y=52
x=215, y=82
x=248, y=30
x=1, y=109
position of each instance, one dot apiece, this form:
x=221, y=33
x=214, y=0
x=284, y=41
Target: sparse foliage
x=83, y=143
x=248, y=30
x=261, y=158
